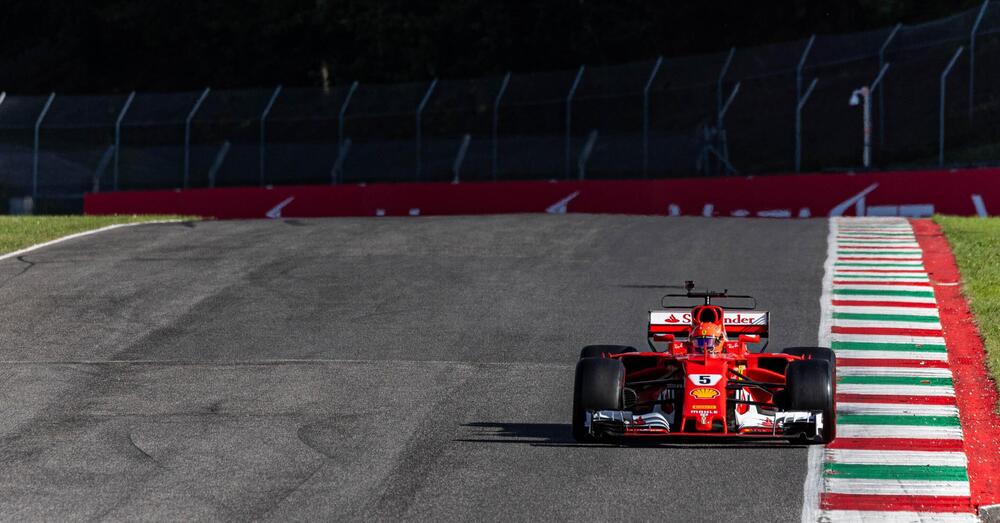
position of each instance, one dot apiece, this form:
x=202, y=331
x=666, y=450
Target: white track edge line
x=813, y=483
x=76, y=235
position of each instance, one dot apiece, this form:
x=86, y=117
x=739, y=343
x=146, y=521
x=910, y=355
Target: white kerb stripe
x=896, y=409
x=891, y=354
x=897, y=487
x=927, y=372
x=864, y=516
x=896, y=457
x=840, y=322
x=898, y=431
x=868, y=309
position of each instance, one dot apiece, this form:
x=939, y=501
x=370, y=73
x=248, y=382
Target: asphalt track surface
x=348, y=369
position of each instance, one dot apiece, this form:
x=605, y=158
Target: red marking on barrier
x=975, y=392
x=884, y=362
x=859, y=303
x=888, y=331
x=893, y=398
x=795, y=195
x=893, y=282
x=835, y=501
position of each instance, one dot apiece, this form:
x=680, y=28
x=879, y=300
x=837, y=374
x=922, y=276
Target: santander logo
x=672, y=319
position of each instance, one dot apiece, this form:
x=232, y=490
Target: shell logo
x=704, y=393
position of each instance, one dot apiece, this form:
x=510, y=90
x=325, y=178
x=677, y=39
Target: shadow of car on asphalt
x=561, y=435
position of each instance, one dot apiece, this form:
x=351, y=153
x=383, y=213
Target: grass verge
x=18, y=232
x=976, y=244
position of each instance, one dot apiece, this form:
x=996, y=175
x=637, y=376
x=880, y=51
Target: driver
x=708, y=336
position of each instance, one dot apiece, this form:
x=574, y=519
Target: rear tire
x=598, y=351
x=810, y=387
x=598, y=386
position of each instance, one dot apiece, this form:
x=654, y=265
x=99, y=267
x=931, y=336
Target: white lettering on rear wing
x=678, y=322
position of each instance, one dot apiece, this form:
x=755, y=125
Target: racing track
x=370, y=368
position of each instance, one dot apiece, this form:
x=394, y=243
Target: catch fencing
x=933, y=98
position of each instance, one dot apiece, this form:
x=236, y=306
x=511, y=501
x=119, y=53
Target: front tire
x=810, y=387
x=598, y=351
x=598, y=386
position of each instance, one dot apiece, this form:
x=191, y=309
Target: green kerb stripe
x=896, y=472
x=868, y=292
x=900, y=347
x=893, y=380
x=884, y=317
x=912, y=421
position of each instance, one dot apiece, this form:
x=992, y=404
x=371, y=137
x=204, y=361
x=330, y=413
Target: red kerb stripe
x=835, y=501
x=889, y=331
x=883, y=362
x=876, y=258
x=856, y=303
x=890, y=271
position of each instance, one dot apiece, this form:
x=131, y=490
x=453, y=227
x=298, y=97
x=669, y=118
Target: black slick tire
x=598, y=386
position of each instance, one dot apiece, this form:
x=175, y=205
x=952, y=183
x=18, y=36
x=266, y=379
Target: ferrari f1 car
x=700, y=377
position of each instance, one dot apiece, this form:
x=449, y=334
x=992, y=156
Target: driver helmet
x=708, y=336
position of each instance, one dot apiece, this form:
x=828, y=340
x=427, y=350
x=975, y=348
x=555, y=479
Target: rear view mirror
x=750, y=338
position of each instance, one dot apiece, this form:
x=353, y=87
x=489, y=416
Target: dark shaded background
x=120, y=45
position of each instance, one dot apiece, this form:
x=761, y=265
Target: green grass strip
x=18, y=232
x=910, y=421
x=896, y=472
x=884, y=317
x=897, y=347
x=874, y=292
x=893, y=380
x=976, y=244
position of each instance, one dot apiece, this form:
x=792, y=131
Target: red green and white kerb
x=898, y=455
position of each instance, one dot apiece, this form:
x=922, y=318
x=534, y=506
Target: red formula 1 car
x=701, y=378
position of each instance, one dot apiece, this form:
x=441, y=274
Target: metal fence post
x=944, y=78
x=871, y=90
x=569, y=116
x=722, y=121
x=456, y=166
x=645, y=116
x=972, y=55
x=496, y=124
x=420, y=112
x=881, y=96
x=118, y=133
x=337, y=173
x=799, y=102
x=34, y=163
x=718, y=85
x=187, y=134
x=263, y=123
x=343, y=112
x=803, y=98
x=588, y=148
x=220, y=157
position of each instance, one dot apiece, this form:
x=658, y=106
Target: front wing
x=624, y=424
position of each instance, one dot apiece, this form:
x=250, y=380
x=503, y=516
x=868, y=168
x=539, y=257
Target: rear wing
x=677, y=322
